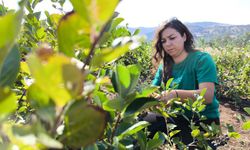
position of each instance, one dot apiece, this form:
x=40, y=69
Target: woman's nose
x=167, y=43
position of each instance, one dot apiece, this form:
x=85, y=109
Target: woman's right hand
x=167, y=95
x=155, y=95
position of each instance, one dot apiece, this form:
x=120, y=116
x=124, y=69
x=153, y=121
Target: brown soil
x=231, y=116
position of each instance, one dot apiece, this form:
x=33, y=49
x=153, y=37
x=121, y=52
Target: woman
x=191, y=70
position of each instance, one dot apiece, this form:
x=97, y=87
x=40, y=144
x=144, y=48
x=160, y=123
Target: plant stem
x=58, y=121
x=114, y=129
x=96, y=40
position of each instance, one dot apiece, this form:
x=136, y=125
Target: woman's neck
x=179, y=58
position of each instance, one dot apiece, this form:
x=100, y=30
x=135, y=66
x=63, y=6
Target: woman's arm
x=183, y=94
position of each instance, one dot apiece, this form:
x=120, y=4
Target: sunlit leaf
x=108, y=55
x=35, y=96
x=147, y=91
x=53, y=79
x=133, y=129
x=234, y=135
x=34, y=136
x=174, y=132
x=53, y=19
x=9, y=28
x=195, y=133
x=84, y=124
x=7, y=101
x=73, y=32
x=97, y=12
x=115, y=23
x=123, y=75
x=169, y=83
x=24, y=67
x=246, y=125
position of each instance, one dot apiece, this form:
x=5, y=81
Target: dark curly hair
x=159, y=51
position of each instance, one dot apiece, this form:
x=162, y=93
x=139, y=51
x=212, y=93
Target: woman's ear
x=184, y=37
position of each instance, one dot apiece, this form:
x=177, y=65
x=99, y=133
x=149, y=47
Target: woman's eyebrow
x=170, y=35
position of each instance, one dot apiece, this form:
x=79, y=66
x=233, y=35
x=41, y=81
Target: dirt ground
x=231, y=116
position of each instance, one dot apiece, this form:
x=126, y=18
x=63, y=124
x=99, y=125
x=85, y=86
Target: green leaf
x=97, y=12
x=157, y=141
x=195, y=133
x=169, y=83
x=172, y=133
x=36, y=97
x=133, y=129
x=201, y=108
x=147, y=91
x=247, y=109
x=84, y=124
x=40, y=101
x=53, y=19
x=134, y=71
x=123, y=76
x=139, y=104
x=48, y=141
x=73, y=85
x=10, y=68
x=36, y=136
x=7, y=101
x=234, y=135
x=108, y=55
x=73, y=32
x=119, y=77
x=115, y=23
x=124, y=79
x=52, y=78
x=113, y=105
x=203, y=92
x=137, y=31
x=35, y=2
x=246, y=125
x=9, y=28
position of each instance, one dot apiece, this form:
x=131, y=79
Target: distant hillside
x=206, y=30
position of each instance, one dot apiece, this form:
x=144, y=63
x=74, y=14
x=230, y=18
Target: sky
x=151, y=13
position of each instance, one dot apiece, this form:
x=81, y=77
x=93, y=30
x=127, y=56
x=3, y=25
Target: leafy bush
x=69, y=93
x=234, y=74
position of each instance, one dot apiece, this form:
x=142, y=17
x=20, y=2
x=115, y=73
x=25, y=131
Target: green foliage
x=141, y=56
x=79, y=81
x=73, y=31
x=234, y=75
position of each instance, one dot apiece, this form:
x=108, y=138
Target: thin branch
x=114, y=129
x=92, y=50
x=58, y=121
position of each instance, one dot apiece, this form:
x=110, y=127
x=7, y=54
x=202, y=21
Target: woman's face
x=173, y=42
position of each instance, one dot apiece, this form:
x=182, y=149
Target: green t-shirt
x=197, y=67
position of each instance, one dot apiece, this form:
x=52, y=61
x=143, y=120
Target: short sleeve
x=158, y=77
x=206, y=69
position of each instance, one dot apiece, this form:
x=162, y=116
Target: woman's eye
x=163, y=41
x=172, y=38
